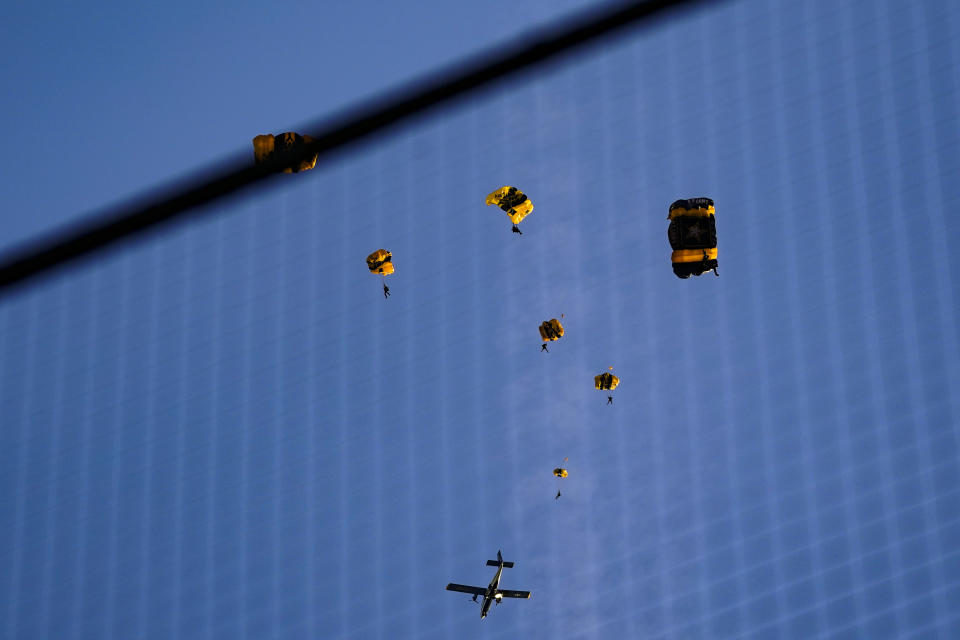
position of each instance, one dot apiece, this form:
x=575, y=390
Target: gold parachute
x=551, y=330
x=606, y=381
x=513, y=202
x=380, y=262
x=693, y=237
x=268, y=147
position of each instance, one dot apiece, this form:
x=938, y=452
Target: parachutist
x=606, y=382
x=543, y=347
x=380, y=263
x=516, y=229
x=560, y=472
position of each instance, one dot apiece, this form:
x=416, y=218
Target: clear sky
x=225, y=431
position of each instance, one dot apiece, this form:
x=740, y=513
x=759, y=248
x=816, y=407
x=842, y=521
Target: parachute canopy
x=513, y=202
x=560, y=472
x=269, y=147
x=606, y=381
x=380, y=262
x=693, y=237
x=551, y=330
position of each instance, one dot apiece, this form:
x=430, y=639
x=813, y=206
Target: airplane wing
x=462, y=588
x=506, y=593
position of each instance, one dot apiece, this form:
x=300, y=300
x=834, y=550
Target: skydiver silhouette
x=609, y=399
x=386, y=290
x=516, y=229
x=543, y=347
x=557, y=496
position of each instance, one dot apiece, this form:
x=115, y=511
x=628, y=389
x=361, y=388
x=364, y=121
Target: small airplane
x=493, y=592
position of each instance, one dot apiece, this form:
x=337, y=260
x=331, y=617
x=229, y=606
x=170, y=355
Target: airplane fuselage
x=491, y=593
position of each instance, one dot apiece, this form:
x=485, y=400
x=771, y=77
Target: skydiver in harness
x=609, y=399
x=516, y=229
x=543, y=347
x=386, y=290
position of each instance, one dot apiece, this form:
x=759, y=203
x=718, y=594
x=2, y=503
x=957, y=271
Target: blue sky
x=226, y=431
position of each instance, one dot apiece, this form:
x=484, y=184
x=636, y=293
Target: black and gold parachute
x=605, y=381
x=513, y=202
x=380, y=262
x=693, y=237
x=268, y=147
x=551, y=330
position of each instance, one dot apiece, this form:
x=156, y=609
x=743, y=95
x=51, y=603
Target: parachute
x=513, y=202
x=380, y=262
x=693, y=237
x=605, y=381
x=268, y=147
x=551, y=330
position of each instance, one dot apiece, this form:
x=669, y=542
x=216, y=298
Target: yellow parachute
x=551, y=330
x=513, y=202
x=380, y=262
x=268, y=147
x=606, y=381
x=693, y=237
